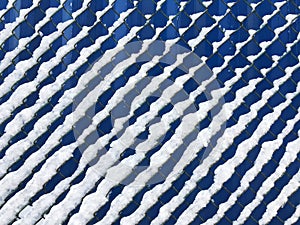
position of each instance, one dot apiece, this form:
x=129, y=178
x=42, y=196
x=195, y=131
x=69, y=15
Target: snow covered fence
x=149, y=112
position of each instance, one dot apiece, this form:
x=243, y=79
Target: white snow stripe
x=6, y=61
x=13, y=127
x=130, y=161
x=225, y=171
x=264, y=156
x=215, y=69
x=282, y=198
x=171, y=116
x=24, y=65
x=47, y=91
x=287, y=46
x=292, y=149
x=21, y=198
x=173, y=143
x=138, y=102
x=88, y=186
x=275, y=63
x=66, y=157
x=294, y=218
x=225, y=141
x=41, y=127
x=236, y=129
x=147, y=144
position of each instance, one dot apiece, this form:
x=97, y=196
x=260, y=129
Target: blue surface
x=159, y=19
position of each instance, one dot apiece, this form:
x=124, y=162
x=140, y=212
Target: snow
x=289, y=156
x=294, y=218
x=265, y=154
x=226, y=170
x=238, y=128
x=275, y=205
x=18, y=204
x=45, y=93
x=160, y=157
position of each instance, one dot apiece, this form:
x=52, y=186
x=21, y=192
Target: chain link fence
x=51, y=44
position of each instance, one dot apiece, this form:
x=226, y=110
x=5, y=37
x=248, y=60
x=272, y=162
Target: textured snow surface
x=149, y=112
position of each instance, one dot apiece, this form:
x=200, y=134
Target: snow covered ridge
x=149, y=112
